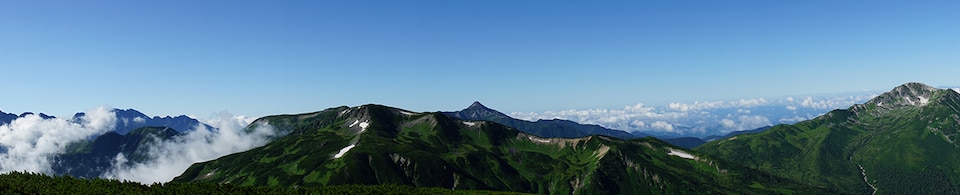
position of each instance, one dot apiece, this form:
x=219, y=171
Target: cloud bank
x=702, y=118
x=31, y=142
x=170, y=158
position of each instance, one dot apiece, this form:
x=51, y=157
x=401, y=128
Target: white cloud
x=688, y=119
x=170, y=158
x=753, y=122
x=792, y=108
x=662, y=125
x=728, y=123
x=32, y=141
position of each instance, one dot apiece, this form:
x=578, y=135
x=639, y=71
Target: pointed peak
x=477, y=105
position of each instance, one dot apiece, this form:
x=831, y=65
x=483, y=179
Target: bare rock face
x=908, y=95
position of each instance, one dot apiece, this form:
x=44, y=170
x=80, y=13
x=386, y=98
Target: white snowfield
x=364, y=125
x=923, y=100
x=681, y=154
x=344, y=151
x=538, y=139
x=469, y=123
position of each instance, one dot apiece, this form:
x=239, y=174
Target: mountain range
x=130, y=119
x=901, y=142
x=374, y=144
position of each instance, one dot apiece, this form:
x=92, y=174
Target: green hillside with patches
x=375, y=144
x=901, y=142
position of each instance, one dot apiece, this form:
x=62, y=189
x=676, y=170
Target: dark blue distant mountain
x=127, y=120
x=6, y=118
x=42, y=115
x=130, y=119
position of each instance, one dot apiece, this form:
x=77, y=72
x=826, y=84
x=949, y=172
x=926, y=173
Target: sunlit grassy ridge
x=905, y=140
x=394, y=146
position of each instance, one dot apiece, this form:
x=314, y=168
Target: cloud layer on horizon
x=706, y=117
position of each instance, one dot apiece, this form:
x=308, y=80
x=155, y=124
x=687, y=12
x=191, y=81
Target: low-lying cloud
x=702, y=118
x=30, y=142
x=170, y=158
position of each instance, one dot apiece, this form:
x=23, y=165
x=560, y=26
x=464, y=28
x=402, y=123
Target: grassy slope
x=890, y=144
x=433, y=150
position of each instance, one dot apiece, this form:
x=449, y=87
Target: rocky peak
x=477, y=111
x=477, y=106
x=909, y=94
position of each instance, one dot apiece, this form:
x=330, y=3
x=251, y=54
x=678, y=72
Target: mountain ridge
x=902, y=141
x=374, y=144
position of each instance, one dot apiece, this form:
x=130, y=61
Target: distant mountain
x=131, y=119
x=6, y=118
x=42, y=115
x=735, y=133
x=559, y=128
x=542, y=128
x=904, y=141
x=92, y=158
x=375, y=144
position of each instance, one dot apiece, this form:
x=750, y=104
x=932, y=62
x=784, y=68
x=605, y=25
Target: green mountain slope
x=374, y=144
x=901, y=142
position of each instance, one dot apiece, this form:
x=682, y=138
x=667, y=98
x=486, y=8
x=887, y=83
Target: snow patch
x=924, y=100
x=364, y=125
x=210, y=174
x=469, y=123
x=344, y=151
x=538, y=139
x=407, y=113
x=681, y=154
x=354, y=123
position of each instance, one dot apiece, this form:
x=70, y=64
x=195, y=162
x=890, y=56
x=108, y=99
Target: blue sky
x=263, y=57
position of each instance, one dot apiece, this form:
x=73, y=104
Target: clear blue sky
x=263, y=57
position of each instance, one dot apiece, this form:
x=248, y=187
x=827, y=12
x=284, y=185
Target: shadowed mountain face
x=92, y=158
x=901, y=142
x=374, y=144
